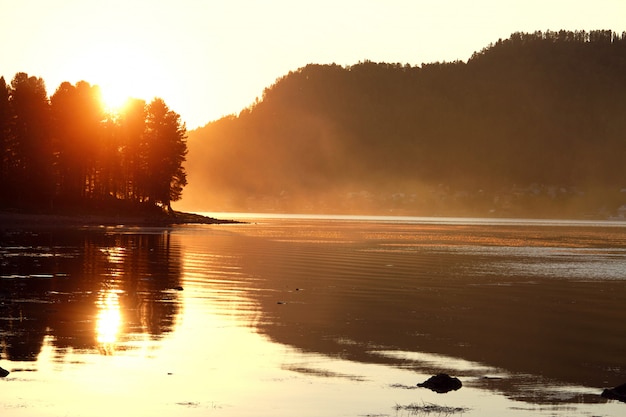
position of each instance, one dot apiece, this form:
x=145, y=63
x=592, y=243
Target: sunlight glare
x=109, y=320
x=122, y=68
x=114, y=98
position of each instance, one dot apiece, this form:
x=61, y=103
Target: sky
x=209, y=58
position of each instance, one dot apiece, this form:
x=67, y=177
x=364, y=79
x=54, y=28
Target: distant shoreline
x=10, y=220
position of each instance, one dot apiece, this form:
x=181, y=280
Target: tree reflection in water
x=85, y=290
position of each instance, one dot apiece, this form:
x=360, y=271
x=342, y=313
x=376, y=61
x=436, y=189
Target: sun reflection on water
x=109, y=321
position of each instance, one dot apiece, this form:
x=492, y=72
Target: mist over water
x=314, y=316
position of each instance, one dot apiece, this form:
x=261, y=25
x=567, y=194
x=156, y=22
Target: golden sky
x=209, y=58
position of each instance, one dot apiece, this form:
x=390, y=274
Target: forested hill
x=532, y=125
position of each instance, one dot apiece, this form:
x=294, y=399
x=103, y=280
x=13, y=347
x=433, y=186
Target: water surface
x=314, y=316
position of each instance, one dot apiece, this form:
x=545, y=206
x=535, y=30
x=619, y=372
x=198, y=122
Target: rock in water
x=3, y=372
x=617, y=393
x=441, y=383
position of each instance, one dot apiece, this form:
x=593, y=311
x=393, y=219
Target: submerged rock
x=617, y=393
x=441, y=383
x=3, y=372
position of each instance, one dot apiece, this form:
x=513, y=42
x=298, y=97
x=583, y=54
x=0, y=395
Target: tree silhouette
x=32, y=152
x=132, y=127
x=5, y=137
x=166, y=151
x=78, y=114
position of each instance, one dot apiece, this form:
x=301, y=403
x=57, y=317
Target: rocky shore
x=11, y=220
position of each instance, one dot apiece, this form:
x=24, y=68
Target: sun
x=123, y=69
x=114, y=97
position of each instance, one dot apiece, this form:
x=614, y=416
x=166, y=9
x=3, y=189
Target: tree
x=33, y=156
x=166, y=149
x=77, y=115
x=131, y=128
x=5, y=138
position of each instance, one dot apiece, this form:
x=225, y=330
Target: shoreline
x=15, y=221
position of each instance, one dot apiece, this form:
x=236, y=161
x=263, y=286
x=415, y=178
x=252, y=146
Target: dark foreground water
x=314, y=317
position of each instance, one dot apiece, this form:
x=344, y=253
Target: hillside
x=530, y=126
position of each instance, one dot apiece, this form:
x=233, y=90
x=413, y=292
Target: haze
x=207, y=59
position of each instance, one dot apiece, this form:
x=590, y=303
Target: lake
x=314, y=316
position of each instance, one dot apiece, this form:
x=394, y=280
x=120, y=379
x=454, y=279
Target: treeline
x=67, y=151
x=542, y=109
